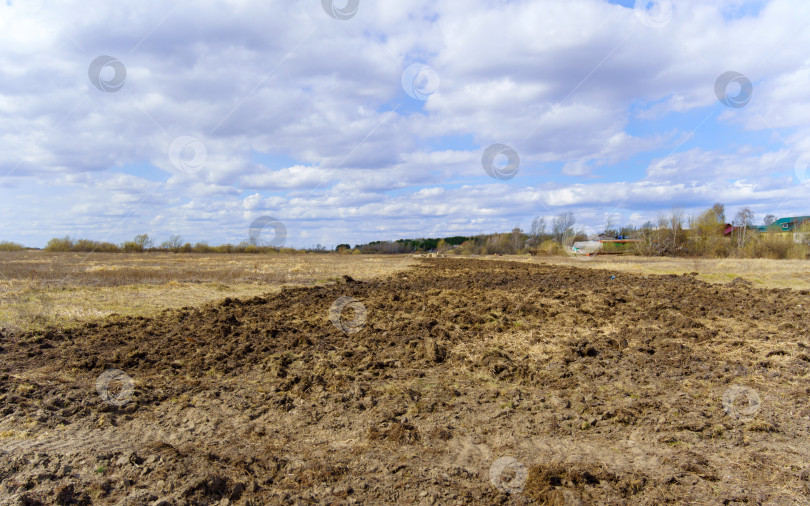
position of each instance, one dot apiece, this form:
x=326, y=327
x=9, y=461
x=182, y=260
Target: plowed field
x=457, y=381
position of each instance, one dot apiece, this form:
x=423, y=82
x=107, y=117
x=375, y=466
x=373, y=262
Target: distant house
x=728, y=229
x=789, y=224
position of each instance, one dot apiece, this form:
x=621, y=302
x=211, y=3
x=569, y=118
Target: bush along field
x=454, y=381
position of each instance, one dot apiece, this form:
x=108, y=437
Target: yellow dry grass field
x=39, y=288
x=763, y=273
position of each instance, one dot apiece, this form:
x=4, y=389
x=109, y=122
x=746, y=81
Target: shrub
x=549, y=247
x=775, y=245
x=132, y=247
x=224, y=248
x=107, y=247
x=56, y=244
x=202, y=247
x=11, y=246
x=86, y=245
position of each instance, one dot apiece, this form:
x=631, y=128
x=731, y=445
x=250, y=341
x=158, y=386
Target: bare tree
x=143, y=241
x=174, y=243
x=610, y=227
x=538, y=226
x=675, y=224
x=563, y=226
x=743, y=219
x=663, y=238
x=651, y=240
x=768, y=219
x=720, y=210
x=538, y=230
x=516, y=240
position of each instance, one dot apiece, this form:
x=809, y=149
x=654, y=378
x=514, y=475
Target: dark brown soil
x=603, y=388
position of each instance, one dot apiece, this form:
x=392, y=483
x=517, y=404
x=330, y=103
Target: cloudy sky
x=359, y=120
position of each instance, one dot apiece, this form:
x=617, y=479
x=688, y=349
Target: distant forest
x=707, y=234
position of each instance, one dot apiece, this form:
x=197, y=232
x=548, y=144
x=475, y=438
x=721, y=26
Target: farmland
x=38, y=288
x=446, y=380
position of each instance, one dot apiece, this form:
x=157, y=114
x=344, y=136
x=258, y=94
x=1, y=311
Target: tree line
x=143, y=243
x=672, y=234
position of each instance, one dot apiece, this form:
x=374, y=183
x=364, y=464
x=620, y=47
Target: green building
x=784, y=224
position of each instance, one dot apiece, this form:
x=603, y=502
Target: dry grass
x=764, y=273
x=39, y=288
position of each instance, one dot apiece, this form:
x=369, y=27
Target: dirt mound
x=602, y=386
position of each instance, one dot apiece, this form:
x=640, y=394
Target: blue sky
x=357, y=125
